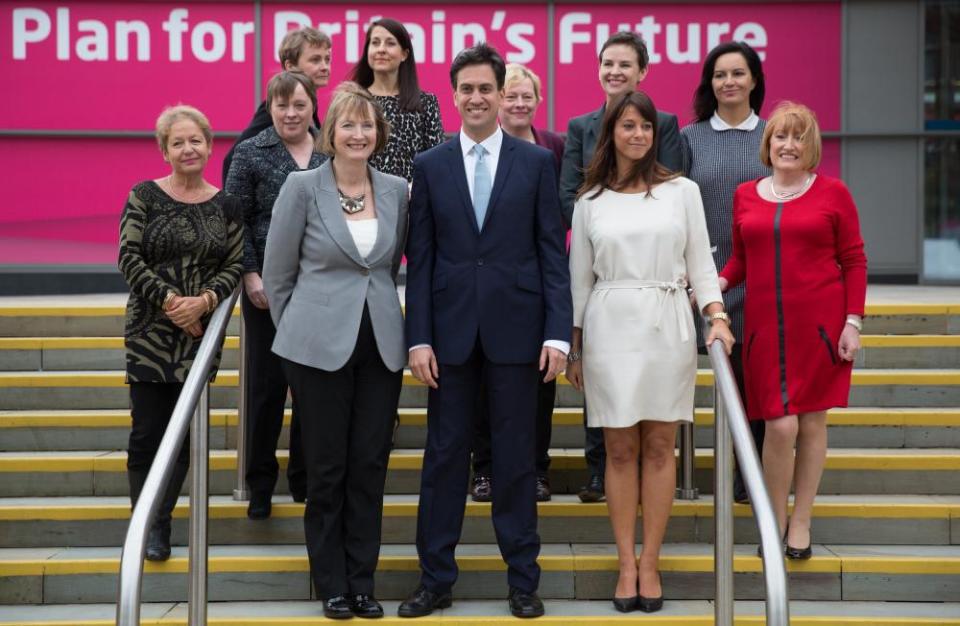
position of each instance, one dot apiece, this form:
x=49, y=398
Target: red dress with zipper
x=806, y=271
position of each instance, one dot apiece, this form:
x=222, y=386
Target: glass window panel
x=941, y=242
x=941, y=94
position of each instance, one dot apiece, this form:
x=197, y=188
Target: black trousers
x=266, y=388
x=151, y=406
x=347, y=422
x=546, y=397
x=511, y=393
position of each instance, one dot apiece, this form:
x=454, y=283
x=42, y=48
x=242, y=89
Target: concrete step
x=107, y=353
x=59, y=430
x=107, y=390
x=485, y=612
x=847, y=471
x=569, y=571
x=103, y=316
x=848, y=519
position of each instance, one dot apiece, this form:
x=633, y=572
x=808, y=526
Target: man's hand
x=552, y=360
x=423, y=364
x=253, y=285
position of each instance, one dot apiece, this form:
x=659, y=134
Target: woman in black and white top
x=388, y=71
x=721, y=150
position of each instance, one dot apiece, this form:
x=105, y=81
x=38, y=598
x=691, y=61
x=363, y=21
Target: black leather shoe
x=259, y=506
x=423, y=602
x=337, y=607
x=626, y=605
x=543, y=489
x=364, y=605
x=482, y=489
x=299, y=495
x=523, y=604
x=798, y=554
x=651, y=605
x=158, y=543
x=593, y=490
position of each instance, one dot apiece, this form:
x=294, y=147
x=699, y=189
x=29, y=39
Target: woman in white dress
x=639, y=238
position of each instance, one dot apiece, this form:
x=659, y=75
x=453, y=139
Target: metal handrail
x=192, y=403
x=730, y=426
x=240, y=492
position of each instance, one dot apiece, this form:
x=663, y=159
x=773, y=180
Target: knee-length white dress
x=631, y=259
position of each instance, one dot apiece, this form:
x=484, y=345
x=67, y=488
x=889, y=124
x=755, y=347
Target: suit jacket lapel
x=504, y=163
x=328, y=205
x=387, y=208
x=591, y=135
x=459, y=175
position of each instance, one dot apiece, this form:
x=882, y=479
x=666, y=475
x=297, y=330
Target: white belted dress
x=632, y=257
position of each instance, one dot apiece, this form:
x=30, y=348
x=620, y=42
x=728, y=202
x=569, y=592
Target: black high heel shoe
x=626, y=605
x=797, y=554
x=651, y=605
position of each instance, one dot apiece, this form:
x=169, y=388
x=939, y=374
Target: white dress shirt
x=364, y=233
x=717, y=123
x=492, y=145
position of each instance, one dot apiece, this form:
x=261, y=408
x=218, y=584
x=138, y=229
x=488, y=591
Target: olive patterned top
x=411, y=132
x=168, y=245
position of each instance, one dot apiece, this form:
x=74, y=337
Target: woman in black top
x=180, y=253
x=388, y=71
x=260, y=167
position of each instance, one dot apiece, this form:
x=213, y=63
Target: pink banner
x=113, y=66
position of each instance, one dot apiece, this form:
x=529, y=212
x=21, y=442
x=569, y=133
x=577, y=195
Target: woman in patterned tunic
x=719, y=152
x=388, y=71
x=180, y=253
x=260, y=166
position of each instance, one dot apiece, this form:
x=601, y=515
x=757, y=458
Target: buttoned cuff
x=562, y=346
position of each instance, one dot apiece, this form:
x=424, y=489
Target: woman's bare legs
x=811, y=455
x=623, y=494
x=779, y=441
x=659, y=468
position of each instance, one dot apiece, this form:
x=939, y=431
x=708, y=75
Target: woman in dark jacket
x=260, y=166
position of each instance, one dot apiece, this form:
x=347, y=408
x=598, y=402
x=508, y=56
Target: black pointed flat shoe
x=798, y=554
x=651, y=605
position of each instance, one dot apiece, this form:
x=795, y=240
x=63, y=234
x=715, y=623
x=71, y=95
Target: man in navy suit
x=488, y=308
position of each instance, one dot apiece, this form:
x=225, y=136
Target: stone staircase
x=886, y=528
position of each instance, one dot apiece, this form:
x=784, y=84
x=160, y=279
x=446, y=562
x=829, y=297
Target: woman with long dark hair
x=388, y=71
x=638, y=236
x=719, y=152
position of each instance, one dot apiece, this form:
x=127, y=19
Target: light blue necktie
x=481, y=185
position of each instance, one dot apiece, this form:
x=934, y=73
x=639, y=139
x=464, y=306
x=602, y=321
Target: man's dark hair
x=480, y=54
x=627, y=38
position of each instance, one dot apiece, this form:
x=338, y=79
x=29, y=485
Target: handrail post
x=687, y=490
x=240, y=491
x=199, y=463
x=723, y=514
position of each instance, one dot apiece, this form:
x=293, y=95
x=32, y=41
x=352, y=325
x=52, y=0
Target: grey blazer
x=316, y=281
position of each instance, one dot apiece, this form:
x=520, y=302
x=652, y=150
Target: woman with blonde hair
x=797, y=244
x=332, y=257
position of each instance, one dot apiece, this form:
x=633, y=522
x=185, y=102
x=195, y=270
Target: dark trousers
x=511, y=395
x=347, y=420
x=546, y=396
x=266, y=388
x=596, y=453
x=151, y=406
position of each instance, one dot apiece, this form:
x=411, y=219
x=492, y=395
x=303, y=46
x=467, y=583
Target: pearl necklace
x=787, y=195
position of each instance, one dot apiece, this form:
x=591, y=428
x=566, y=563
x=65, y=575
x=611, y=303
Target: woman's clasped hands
x=185, y=312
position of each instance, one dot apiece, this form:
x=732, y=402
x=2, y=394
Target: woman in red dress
x=797, y=243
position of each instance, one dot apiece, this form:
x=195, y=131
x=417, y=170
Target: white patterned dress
x=631, y=258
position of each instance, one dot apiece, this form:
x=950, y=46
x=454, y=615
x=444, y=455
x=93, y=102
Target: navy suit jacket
x=507, y=283
x=583, y=133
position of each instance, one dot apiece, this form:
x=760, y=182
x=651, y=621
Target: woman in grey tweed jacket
x=720, y=151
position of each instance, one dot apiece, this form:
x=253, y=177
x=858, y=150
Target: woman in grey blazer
x=332, y=257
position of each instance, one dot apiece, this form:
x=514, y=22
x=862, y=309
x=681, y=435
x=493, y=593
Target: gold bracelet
x=211, y=298
x=168, y=299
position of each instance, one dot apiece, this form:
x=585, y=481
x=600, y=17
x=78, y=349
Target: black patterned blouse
x=411, y=132
x=260, y=167
x=169, y=245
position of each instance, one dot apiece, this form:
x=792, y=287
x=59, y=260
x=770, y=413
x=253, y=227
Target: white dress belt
x=667, y=291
